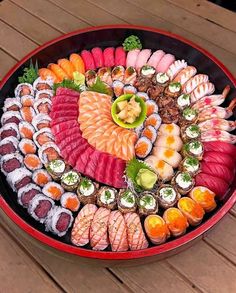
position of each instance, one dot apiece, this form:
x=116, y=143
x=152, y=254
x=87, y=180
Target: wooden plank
x=205, y=267
x=30, y=26
x=223, y=237
x=88, y=12
x=18, y=272
x=233, y=210
x=14, y=43
x=190, y=22
x=52, y=14
x=6, y=62
x=72, y=276
x=141, y=17
x=209, y=11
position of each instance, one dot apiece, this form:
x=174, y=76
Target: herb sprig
x=30, y=73
x=132, y=42
x=67, y=83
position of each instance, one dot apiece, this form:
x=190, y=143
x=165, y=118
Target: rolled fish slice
x=155, y=58
x=165, y=63
x=132, y=57
x=142, y=58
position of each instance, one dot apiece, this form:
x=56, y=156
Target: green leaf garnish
x=128, y=196
x=194, y=128
x=168, y=192
x=186, y=177
x=67, y=83
x=99, y=87
x=195, y=144
x=191, y=161
x=132, y=42
x=107, y=194
x=146, y=200
x=30, y=73
x=85, y=183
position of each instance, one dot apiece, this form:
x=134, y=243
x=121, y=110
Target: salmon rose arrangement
x=118, y=148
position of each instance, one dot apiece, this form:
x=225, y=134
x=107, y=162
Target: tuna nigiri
x=109, y=57
x=132, y=57
x=165, y=63
x=155, y=58
x=120, y=56
x=88, y=60
x=98, y=57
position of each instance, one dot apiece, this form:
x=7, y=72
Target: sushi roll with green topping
x=167, y=196
x=173, y=90
x=193, y=148
x=56, y=169
x=183, y=101
x=70, y=180
x=190, y=132
x=106, y=197
x=183, y=182
x=189, y=116
x=126, y=201
x=191, y=165
x=87, y=191
x=147, y=204
x=147, y=71
x=161, y=79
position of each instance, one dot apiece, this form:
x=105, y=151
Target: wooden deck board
x=7, y=62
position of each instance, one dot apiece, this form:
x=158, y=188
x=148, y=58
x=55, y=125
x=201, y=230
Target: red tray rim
x=163, y=248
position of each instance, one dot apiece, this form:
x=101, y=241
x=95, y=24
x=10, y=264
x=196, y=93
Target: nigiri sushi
x=173, y=142
x=164, y=170
x=204, y=197
x=176, y=222
x=169, y=129
x=156, y=229
x=191, y=210
x=168, y=155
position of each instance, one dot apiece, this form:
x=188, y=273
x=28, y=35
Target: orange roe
x=72, y=204
x=168, y=153
x=55, y=192
x=170, y=140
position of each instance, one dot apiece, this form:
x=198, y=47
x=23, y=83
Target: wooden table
x=209, y=266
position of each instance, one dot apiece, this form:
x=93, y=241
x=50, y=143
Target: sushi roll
x=104, y=73
x=11, y=162
x=27, y=193
x=106, y=197
x=41, y=121
x=183, y=182
x=189, y=116
x=164, y=170
x=70, y=180
x=118, y=73
x=152, y=107
x=12, y=104
x=9, y=130
x=27, y=101
x=59, y=220
x=143, y=95
x=41, y=177
x=173, y=90
x=193, y=148
x=168, y=155
x=161, y=79
x=143, y=147
x=27, y=146
x=183, y=101
x=147, y=71
x=43, y=94
x=129, y=89
x=138, y=130
x=70, y=201
x=167, y=196
x=142, y=83
x=191, y=210
x=43, y=84
x=169, y=129
x=19, y=178
x=27, y=113
x=130, y=75
x=24, y=89
x=176, y=222
x=191, y=165
x=56, y=168
x=11, y=117
x=39, y=207
x=87, y=191
x=173, y=142
x=153, y=120
x=204, y=197
x=150, y=133
x=26, y=130
x=32, y=162
x=43, y=136
x=90, y=77
x=42, y=106
x=191, y=131
x=126, y=201
x=8, y=145
x=118, y=88
x=147, y=204
x=53, y=190
x=156, y=229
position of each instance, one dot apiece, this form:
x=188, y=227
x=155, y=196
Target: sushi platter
x=118, y=142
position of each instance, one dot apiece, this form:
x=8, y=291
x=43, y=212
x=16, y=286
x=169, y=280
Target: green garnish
x=195, y=144
x=189, y=111
x=30, y=73
x=132, y=42
x=85, y=183
x=168, y=192
x=175, y=84
x=130, y=70
x=194, y=128
x=67, y=83
x=107, y=194
x=191, y=161
x=99, y=87
x=185, y=96
x=71, y=177
x=146, y=200
x=128, y=196
x=186, y=177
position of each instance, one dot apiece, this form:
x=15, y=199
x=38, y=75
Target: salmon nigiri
x=77, y=62
x=45, y=73
x=67, y=66
x=58, y=71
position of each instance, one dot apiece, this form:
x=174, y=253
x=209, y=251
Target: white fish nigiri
x=165, y=63
x=173, y=142
x=168, y=155
x=142, y=58
x=164, y=170
x=132, y=57
x=156, y=58
x=217, y=123
x=169, y=129
x=218, y=135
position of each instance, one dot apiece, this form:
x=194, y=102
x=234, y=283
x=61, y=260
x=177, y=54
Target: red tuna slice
x=98, y=57
x=83, y=158
x=71, y=153
x=67, y=92
x=215, y=184
x=120, y=56
x=63, y=99
x=88, y=60
x=66, y=133
x=109, y=168
x=220, y=146
x=69, y=140
x=61, y=113
x=218, y=170
x=92, y=164
x=100, y=174
x=118, y=174
x=61, y=119
x=64, y=126
x=64, y=107
x=109, y=56
x=220, y=158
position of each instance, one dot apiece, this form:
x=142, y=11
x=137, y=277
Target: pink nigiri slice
x=109, y=57
x=165, y=63
x=120, y=56
x=132, y=57
x=156, y=58
x=98, y=57
x=88, y=60
x=142, y=58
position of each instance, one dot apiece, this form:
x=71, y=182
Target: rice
x=42, y=84
x=43, y=94
x=38, y=102
x=44, y=157
x=26, y=130
x=143, y=147
x=11, y=102
x=10, y=126
x=24, y=190
x=16, y=176
x=47, y=131
x=19, y=90
x=27, y=146
x=8, y=115
x=73, y=203
x=8, y=157
x=40, y=118
x=40, y=207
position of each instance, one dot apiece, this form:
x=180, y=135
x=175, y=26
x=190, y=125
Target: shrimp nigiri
x=202, y=90
x=194, y=82
x=218, y=135
x=175, y=68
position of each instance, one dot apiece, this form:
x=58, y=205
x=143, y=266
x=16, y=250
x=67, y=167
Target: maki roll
x=118, y=88
x=90, y=77
x=42, y=94
x=27, y=146
x=147, y=71
x=152, y=107
x=118, y=73
x=204, y=197
x=150, y=133
x=191, y=165
x=190, y=132
x=27, y=101
x=173, y=90
x=27, y=113
x=143, y=147
x=12, y=104
x=69, y=200
x=104, y=73
x=26, y=130
x=41, y=177
x=19, y=178
x=42, y=106
x=176, y=222
x=87, y=191
x=156, y=229
x=106, y=197
x=11, y=117
x=70, y=180
x=126, y=201
x=193, y=148
x=49, y=152
x=183, y=182
x=24, y=89
x=11, y=162
x=9, y=130
x=41, y=121
x=143, y=95
x=39, y=207
x=153, y=120
x=130, y=75
x=53, y=190
x=59, y=221
x=147, y=204
x=43, y=84
x=189, y=116
x=129, y=89
x=8, y=145
x=32, y=162
x=183, y=101
x=191, y=210
x=161, y=79
x=27, y=193
x=56, y=168
x=167, y=196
